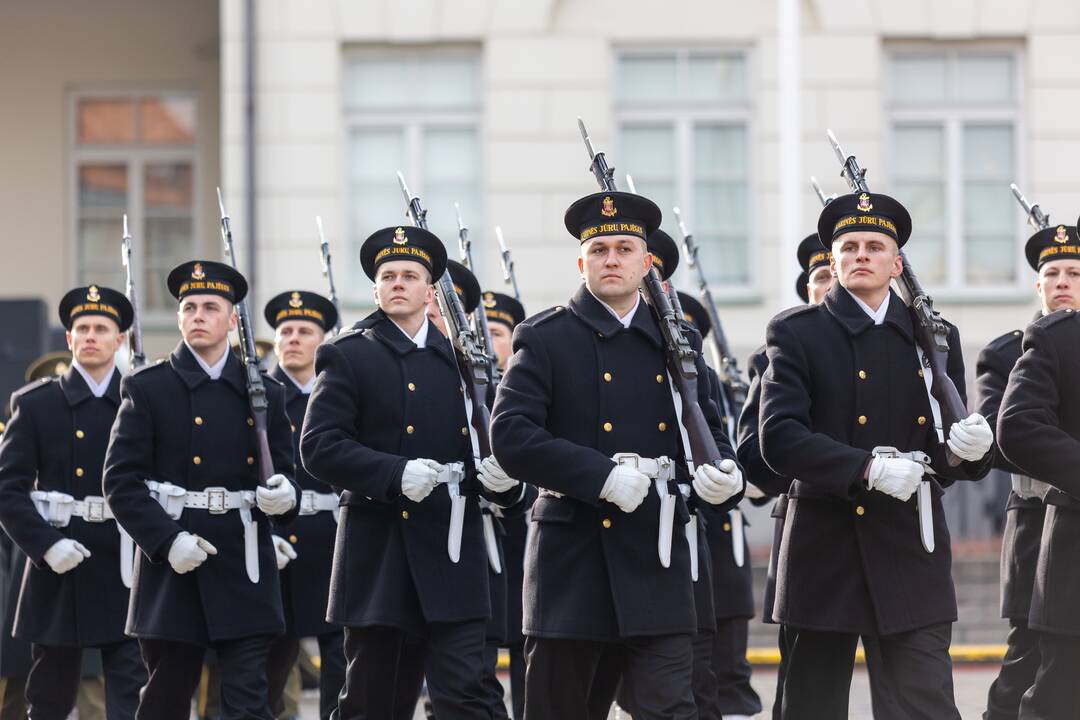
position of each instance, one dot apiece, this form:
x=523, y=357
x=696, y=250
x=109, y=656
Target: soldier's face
x=612, y=266
x=94, y=340
x=500, y=342
x=1059, y=285
x=403, y=288
x=205, y=321
x=865, y=261
x=821, y=280
x=295, y=342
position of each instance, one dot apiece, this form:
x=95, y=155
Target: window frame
x=683, y=118
x=135, y=157
x=952, y=117
x=412, y=121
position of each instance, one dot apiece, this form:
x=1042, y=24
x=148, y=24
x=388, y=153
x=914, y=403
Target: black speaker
x=24, y=339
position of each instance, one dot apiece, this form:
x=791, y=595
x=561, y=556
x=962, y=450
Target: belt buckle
x=307, y=502
x=215, y=501
x=665, y=469
x=95, y=509
x=631, y=459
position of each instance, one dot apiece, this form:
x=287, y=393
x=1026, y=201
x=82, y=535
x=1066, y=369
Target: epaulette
x=1013, y=336
x=1055, y=317
x=160, y=362
x=356, y=329
x=793, y=312
x=267, y=377
x=35, y=385
x=544, y=315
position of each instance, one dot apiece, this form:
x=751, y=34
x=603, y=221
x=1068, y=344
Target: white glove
x=65, y=555
x=897, y=477
x=626, y=487
x=714, y=485
x=419, y=478
x=971, y=438
x=278, y=497
x=189, y=552
x=753, y=492
x=283, y=550
x=494, y=477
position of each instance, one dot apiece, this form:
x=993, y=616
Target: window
x=417, y=111
x=954, y=127
x=133, y=153
x=683, y=124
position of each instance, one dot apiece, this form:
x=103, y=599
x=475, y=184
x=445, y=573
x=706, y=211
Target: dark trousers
x=53, y=683
x=703, y=683
x=517, y=679
x=282, y=657
x=494, y=691
x=453, y=657
x=174, y=674
x=560, y=676
x=734, y=696
x=1055, y=694
x=916, y=664
x=1018, y=670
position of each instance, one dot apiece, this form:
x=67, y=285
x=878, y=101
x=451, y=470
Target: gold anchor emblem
x=295, y=301
x=93, y=295
x=399, y=237
x=864, y=203
x=489, y=300
x=608, y=207
x=197, y=272
x=1061, y=236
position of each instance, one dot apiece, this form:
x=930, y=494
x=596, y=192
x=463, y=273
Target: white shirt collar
x=95, y=388
x=878, y=316
x=420, y=339
x=628, y=317
x=214, y=371
x=306, y=388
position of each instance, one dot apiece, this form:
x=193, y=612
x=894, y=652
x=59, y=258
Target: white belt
x=312, y=502
x=451, y=475
x=216, y=501
x=58, y=508
x=1028, y=488
x=662, y=471
x=923, y=499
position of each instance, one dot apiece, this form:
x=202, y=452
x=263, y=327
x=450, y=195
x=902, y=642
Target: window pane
x=988, y=152
x=372, y=82
x=991, y=259
x=102, y=202
x=918, y=78
x=986, y=78
x=720, y=229
x=167, y=120
x=990, y=247
x=646, y=79
x=105, y=121
x=720, y=150
x=918, y=151
x=168, y=234
x=926, y=249
x=374, y=200
x=451, y=174
x=447, y=82
x=717, y=78
x=102, y=187
x=648, y=152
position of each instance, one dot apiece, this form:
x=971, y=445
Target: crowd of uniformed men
x=383, y=533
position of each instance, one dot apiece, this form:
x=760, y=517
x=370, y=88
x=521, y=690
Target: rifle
x=137, y=357
x=507, y=263
x=931, y=333
x=472, y=360
x=727, y=367
x=681, y=356
x=256, y=390
x=480, y=323
x=1035, y=216
x=825, y=199
x=328, y=272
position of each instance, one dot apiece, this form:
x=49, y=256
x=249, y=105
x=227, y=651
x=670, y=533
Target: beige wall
x=49, y=48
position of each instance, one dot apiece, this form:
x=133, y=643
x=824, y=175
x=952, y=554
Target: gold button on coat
x=293, y=428
x=80, y=434
x=862, y=419
x=862, y=374
x=659, y=378
x=79, y=472
x=251, y=422
x=607, y=427
x=727, y=527
x=860, y=510
x=197, y=460
x=404, y=514
x=607, y=377
x=198, y=420
x=410, y=429
x=606, y=523
x=464, y=431
x=250, y=460
x=922, y=420
x=662, y=427
x=920, y=373
x=412, y=387
x=293, y=539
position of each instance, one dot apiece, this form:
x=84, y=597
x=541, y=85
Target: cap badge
x=607, y=208
x=197, y=272
x=489, y=300
x=399, y=237
x=93, y=295
x=1061, y=236
x=864, y=203
x=295, y=300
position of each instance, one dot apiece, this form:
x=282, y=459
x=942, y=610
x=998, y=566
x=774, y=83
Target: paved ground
x=971, y=684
